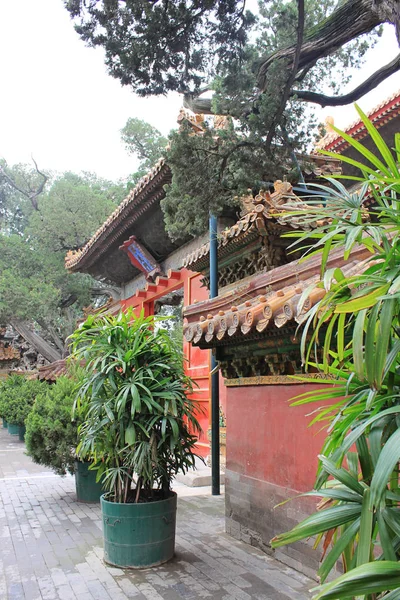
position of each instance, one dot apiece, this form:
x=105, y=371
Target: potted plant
x=17, y=398
x=52, y=437
x=140, y=429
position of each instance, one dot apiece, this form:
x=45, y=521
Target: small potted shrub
x=17, y=397
x=52, y=437
x=140, y=429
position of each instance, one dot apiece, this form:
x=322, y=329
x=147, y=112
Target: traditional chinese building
x=251, y=326
x=133, y=252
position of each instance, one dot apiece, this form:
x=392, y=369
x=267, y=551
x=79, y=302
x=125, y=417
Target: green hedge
x=17, y=396
x=51, y=435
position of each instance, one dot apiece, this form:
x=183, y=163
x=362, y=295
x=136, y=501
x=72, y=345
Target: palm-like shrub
x=140, y=427
x=51, y=434
x=353, y=334
x=17, y=396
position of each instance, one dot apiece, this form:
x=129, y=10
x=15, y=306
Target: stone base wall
x=253, y=517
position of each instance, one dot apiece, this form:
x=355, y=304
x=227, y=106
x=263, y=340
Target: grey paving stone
x=51, y=547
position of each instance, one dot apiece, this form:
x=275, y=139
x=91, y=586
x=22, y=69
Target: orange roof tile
x=264, y=208
x=255, y=315
x=9, y=352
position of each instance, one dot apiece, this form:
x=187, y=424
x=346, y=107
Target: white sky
x=59, y=105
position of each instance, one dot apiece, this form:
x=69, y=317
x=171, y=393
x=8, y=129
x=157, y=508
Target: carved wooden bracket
x=141, y=258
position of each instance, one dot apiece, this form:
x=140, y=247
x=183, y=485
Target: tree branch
x=40, y=345
x=352, y=19
x=289, y=82
x=368, y=85
x=231, y=151
x=197, y=105
x=30, y=194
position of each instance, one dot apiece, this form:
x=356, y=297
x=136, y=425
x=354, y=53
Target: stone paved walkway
x=51, y=547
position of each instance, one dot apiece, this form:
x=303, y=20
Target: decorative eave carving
x=262, y=216
x=266, y=304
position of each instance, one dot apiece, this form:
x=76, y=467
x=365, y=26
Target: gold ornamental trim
x=276, y=379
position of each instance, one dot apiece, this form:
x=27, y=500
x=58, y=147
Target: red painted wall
x=269, y=440
x=271, y=457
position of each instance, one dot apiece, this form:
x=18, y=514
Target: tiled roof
x=381, y=114
x=273, y=309
x=9, y=352
x=261, y=211
x=132, y=203
x=54, y=370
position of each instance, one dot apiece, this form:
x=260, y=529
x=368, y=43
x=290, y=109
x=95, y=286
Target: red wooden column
x=198, y=363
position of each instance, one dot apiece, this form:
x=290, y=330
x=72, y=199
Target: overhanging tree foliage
x=41, y=218
x=145, y=142
x=180, y=46
x=262, y=70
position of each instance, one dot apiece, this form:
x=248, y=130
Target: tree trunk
x=200, y=106
x=37, y=341
x=352, y=19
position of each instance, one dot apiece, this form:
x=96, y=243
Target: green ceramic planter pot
x=138, y=536
x=21, y=433
x=5, y=424
x=87, y=489
x=13, y=429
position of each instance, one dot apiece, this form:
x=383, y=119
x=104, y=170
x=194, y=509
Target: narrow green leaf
x=342, y=475
x=370, y=340
x=340, y=336
x=338, y=548
x=364, y=540
x=383, y=339
x=130, y=435
x=392, y=519
x=365, y=301
x=364, y=458
x=387, y=461
x=370, y=578
x=323, y=520
x=363, y=150
x=379, y=142
x=385, y=538
x=358, y=344
x=394, y=595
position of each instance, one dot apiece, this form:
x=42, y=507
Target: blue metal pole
x=215, y=480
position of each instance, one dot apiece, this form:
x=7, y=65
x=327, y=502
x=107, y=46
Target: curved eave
x=147, y=192
x=380, y=115
x=266, y=304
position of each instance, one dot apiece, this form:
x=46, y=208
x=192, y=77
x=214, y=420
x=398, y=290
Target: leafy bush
x=17, y=396
x=140, y=421
x=357, y=325
x=51, y=435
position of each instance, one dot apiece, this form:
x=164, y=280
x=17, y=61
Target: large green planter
x=87, y=488
x=5, y=424
x=139, y=535
x=13, y=428
x=21, y=433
